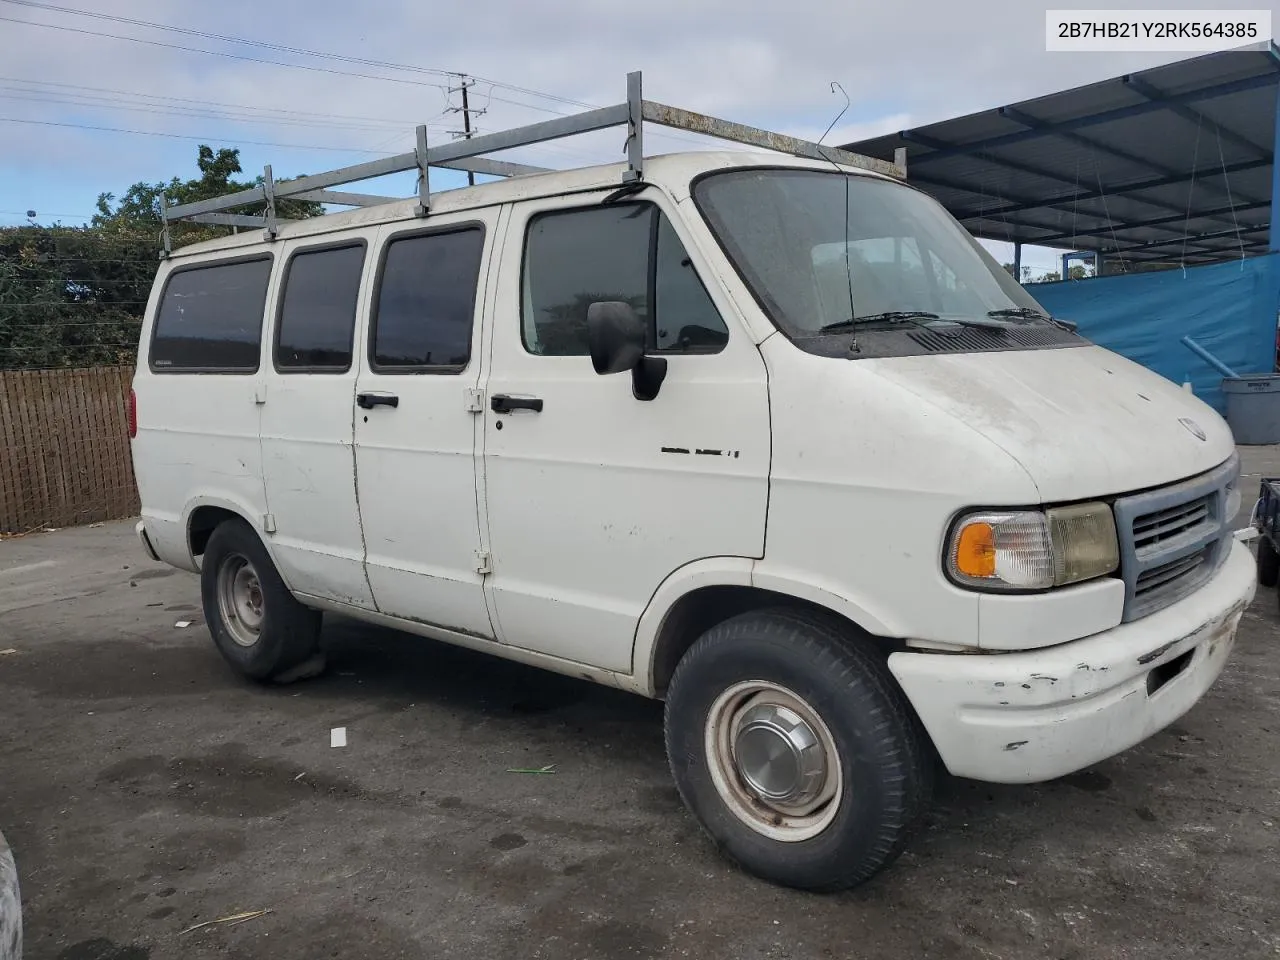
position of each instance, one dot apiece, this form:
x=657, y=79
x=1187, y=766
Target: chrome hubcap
x=779, y=755
x=773, y=761
x=240, y=600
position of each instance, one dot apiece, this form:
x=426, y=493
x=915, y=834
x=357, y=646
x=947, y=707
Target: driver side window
x=624, y=251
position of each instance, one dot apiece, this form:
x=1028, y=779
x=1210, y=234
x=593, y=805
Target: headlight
x=1031, y=549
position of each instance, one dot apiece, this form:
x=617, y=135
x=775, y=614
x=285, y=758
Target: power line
x=188, y=31
x=183, y=136
x=23, y=213
x=141, y=95
x=285, y=48
x=301, y=51
x=194, y=114
x=674, y=137
x=89, y=100
x=219, y=53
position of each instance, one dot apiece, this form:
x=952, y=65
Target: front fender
x=708, y=572
x=738, y=572
x=859, y=610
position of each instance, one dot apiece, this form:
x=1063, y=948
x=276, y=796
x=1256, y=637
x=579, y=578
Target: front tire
x=793, y=746
x=256, y=624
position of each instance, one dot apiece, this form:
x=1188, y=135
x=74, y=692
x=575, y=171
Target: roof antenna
x=835, y=85
x=848, y=267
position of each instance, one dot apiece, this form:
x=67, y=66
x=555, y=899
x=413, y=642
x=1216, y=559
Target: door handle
x=501, y=403
x=368, y=401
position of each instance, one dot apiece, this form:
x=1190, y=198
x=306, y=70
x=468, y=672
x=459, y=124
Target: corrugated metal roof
x=1169, y=164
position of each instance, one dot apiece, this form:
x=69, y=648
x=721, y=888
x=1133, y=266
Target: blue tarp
x=1230, y=309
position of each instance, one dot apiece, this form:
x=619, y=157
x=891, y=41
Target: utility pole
x=464, y=84
x=466, y=127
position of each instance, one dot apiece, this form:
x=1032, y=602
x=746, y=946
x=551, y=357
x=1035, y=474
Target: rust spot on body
x=1156, y=653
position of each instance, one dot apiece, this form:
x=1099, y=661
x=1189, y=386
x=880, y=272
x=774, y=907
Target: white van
x=774, y=440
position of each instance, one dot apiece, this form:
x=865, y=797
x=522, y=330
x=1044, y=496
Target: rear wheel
x=1268, y=563
x=792, y=745
x=257, y=625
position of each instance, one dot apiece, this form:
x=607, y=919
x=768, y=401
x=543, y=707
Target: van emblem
x=1194, y=428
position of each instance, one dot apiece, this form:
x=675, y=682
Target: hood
x=1082, y=421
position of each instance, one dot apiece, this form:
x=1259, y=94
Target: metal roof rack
x=467, y=155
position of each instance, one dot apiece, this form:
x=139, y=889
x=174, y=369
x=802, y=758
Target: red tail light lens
x=133, y=414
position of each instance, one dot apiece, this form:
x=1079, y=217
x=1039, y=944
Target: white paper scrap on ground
x=183, y=623
x=338, y=737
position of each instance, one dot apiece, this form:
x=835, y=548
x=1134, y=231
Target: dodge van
x=772, y=439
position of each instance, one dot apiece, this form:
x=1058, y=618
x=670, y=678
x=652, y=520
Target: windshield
x=822, y=249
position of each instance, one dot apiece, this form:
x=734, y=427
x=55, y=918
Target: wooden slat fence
x=64, y=448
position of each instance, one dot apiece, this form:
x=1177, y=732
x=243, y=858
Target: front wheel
x=792, y=745
x=256, y=623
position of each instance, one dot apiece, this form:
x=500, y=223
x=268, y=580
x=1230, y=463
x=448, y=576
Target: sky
x=84, y=111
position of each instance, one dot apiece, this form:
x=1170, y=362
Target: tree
x=139, y=209
x=69, y=297
x=74, y=296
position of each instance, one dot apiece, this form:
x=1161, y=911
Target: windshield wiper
x=919, y=318
x=889, y=316
x=1031, y=313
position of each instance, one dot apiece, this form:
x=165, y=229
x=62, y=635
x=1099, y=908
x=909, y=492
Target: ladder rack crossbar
x=468, y=155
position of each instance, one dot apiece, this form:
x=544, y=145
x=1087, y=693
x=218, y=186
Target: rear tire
x=256, y=624
x=1268, y=563
x=793, y=746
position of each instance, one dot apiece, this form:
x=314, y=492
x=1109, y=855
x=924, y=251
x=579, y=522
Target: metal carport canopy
x=1173, y=164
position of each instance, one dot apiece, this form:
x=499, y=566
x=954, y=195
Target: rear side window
x=210, y=318
x=628, y=252
x=318, y=309
x=426, y=302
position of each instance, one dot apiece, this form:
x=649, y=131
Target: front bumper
x=1033, y=716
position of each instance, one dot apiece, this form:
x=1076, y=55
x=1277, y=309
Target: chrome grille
x=1172, y=539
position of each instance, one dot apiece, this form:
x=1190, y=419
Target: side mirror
x=616, y=335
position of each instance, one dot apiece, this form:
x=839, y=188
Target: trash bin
x=1253, y=407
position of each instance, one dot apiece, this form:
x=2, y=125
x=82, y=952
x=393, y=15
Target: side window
x=573, y=259
x=210, y=318
x=625, y=251
x=318, y=309
x=426, y=301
